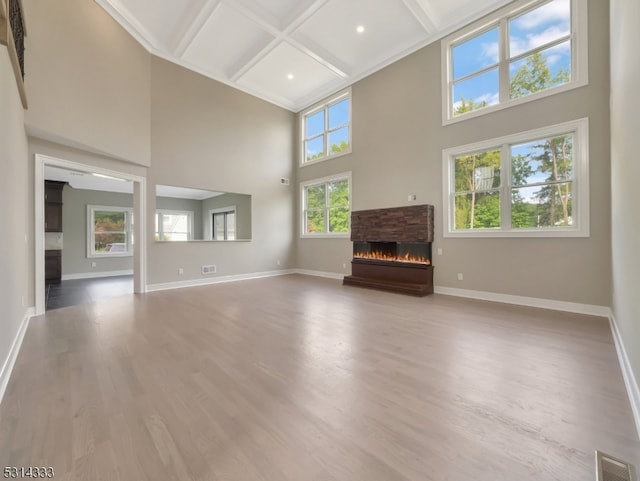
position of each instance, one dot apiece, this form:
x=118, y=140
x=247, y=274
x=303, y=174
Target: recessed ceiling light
x=290, y=76
x=360, y=28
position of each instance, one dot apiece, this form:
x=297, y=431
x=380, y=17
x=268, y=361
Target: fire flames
x=379, y=255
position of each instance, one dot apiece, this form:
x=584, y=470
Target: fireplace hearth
x=392, y=249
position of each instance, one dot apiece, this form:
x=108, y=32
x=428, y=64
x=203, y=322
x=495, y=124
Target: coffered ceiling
x=290, y=52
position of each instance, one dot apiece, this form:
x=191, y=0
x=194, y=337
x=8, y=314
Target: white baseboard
x=216, y=280
x=328, y=275
x=578, y=308
x=630, y=380
x=94, y=275
x=10, y=361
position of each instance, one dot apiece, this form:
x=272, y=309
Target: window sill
x=199, y=240
x=520, y=233
x=324, y=159
x=346, y=235
x=513, y=103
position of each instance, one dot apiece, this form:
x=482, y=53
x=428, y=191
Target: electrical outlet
x=278, y=262
x=460, y=276
x=180, y=271
x=439, y=251
x=93, y=264
x=412, y=197
x=344, y=265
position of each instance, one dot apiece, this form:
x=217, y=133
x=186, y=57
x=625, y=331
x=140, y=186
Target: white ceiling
x=254, y=45
x=106, y=183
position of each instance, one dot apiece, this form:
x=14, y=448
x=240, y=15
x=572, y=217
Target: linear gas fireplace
x=392, y=249
x=411, y=252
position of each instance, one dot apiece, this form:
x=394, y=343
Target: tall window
x=223, y=223
x=326, y=206
x=173, y=225
x=109, y=232
x=523, y=51
x=530, y=184
x=326, y=129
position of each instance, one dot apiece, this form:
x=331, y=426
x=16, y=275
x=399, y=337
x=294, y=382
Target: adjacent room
x=89, y=256
x=319, y=239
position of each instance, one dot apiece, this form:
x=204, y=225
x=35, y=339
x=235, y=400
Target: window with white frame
x=174, y=225
x=326, y=206
x=524, y=51
x=223, y=223
x=530, y=184
x=109, y=231
x=326, y=129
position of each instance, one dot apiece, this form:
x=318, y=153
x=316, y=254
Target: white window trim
x=579, y=58
x=209, y=222
x=580, y=129
x=91, y=253
x=188, y=213
x=324, y=104
x=324, y=180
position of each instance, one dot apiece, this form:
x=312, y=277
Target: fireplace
x=392, y=249
x=412, y=252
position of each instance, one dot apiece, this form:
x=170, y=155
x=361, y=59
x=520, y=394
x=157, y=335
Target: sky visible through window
x=532, y=169
x=545, y=30
x=335, y=126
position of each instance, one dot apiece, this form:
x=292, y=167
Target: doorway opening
x=112, y=235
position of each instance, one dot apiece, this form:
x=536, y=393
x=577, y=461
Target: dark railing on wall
x=17, y=29
x=12, y=34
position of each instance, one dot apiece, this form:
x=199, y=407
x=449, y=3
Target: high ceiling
x=290, y=52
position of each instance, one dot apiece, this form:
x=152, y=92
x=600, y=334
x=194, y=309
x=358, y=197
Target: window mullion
x=540, y=48
x=326, y=208
x=452, y=192
x=127, y=233
x=326, y=132
x=503, y=60
x=475, y=73
x=505, y=181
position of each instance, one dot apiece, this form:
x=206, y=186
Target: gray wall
x=398, y=140
x=15, y=215
x=207, y=135
x=625, y=173
x=242, y=203
x=74, y=227
x=87, y=80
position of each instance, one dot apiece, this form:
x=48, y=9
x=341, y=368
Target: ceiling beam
x=182, y=41
x=422, y=10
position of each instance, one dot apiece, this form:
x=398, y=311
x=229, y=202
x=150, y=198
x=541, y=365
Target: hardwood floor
x=299, y=378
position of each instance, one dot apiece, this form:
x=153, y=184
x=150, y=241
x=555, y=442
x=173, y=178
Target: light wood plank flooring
x=297, y=378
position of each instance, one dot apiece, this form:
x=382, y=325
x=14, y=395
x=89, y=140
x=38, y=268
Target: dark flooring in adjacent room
x=81, y=291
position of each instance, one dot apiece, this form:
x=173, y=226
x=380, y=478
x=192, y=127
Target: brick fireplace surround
x=401, y=227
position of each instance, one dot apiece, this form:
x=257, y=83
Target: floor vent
x=209, y=269
x=609, y=468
